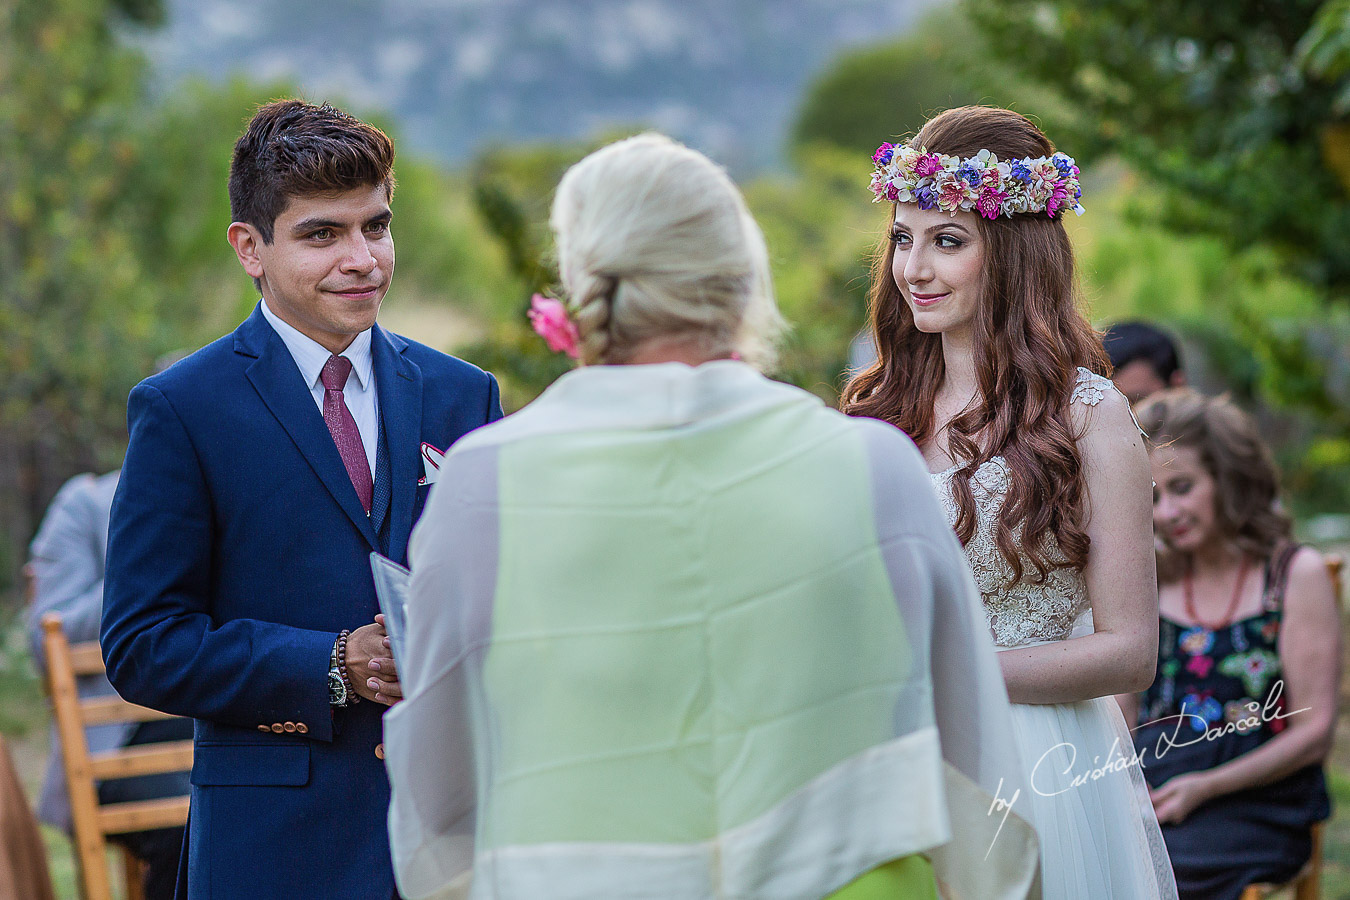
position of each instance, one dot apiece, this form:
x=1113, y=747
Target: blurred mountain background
x=722, y=75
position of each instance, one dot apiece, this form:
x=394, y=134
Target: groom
x=262, y=471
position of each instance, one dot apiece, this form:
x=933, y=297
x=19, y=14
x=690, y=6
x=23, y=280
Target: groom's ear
x=246, y=240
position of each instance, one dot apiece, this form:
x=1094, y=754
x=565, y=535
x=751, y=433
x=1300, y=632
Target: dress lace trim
x=1090, y=387
x=1026, y=610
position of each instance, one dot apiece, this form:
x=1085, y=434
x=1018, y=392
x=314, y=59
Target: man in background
x=1145, y=359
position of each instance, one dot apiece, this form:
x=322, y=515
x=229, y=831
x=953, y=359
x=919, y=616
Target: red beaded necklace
x=1188, y=591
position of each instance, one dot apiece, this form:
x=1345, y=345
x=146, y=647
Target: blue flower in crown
x=1021, y=171
x=1064, y=164
x=969, y=174
x=883, y=155
x=924, y=194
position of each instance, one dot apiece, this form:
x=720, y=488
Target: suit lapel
x=398, y=382
x=278, y=382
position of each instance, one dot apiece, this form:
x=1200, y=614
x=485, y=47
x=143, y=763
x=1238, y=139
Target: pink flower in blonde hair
x=551, y=322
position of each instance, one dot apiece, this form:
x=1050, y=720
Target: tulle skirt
x=1089, y=803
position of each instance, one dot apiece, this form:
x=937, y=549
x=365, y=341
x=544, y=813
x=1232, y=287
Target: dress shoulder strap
x=1089, y=388
x=1277, y=575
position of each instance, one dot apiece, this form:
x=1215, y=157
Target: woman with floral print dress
x=1236, y=726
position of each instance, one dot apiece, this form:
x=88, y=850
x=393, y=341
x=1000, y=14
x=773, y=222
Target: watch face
x=337, y=691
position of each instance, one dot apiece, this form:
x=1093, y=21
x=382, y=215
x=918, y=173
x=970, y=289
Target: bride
x=984, y=359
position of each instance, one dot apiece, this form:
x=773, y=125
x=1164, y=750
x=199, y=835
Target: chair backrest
x=90, y=821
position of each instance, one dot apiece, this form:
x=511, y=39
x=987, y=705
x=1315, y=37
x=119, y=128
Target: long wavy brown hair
x=1029, y=339
x=1246, y=479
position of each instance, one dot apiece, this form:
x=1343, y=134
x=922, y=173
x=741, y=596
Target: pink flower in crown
x=892, y=193
x=550, y=321
x=951, y=193
x=1059, y=197
x=1044, y=179
x=877, y=184
x=990, y=202
x=926, y=165
x=991, y=177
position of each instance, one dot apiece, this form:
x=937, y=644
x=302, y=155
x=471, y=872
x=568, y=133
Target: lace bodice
x=1027, y=610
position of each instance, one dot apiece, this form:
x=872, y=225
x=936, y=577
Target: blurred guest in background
x=624, y=678
x=1239, y=721
x=1144, y=359
x=65, y=576
x=66, y=566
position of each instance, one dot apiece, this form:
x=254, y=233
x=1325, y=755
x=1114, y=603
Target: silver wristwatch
x=337, y=688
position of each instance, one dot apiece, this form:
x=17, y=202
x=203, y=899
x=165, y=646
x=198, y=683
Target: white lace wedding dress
x=1088, y=800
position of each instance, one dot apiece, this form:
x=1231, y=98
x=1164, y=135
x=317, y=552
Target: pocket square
x=431, y=464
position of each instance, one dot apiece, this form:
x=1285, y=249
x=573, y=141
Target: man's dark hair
x=1127, y=341
x=293, y=149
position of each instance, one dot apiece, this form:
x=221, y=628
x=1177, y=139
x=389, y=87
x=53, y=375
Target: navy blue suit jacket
x=238, y=550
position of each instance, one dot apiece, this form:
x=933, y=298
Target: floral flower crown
x=992, y=188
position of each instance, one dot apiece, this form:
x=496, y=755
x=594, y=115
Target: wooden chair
x=23, y=857
x=92, y=822
x=1307, y=884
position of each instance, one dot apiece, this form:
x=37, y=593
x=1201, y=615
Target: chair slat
x=88, y=842
x=107, y=710
x=142, y=815
x=142, y=759
x=86, y=658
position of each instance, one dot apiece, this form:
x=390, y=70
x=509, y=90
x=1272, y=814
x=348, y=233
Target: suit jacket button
x=277, y=727
x=379, y=751
x=288, y=727
x=301, y=728
x=264, y=729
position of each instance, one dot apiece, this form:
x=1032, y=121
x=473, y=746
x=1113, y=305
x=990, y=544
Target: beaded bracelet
x=352, y=696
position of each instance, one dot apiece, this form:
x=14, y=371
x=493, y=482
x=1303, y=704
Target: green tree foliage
x=1215, y=101
x=113, y=212
x=1324, y=52
x=76, y=311
x=882, y=92
x=821, y=231
x=1239, y=115
x=888, y=90
x=512, y=189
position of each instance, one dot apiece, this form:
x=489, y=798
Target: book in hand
x=391, y=590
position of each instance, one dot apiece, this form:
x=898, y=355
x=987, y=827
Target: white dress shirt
x=359, y=393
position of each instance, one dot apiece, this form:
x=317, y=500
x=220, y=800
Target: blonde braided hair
x=654, y=240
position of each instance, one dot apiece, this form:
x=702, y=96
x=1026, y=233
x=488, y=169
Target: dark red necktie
x=343, y=427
